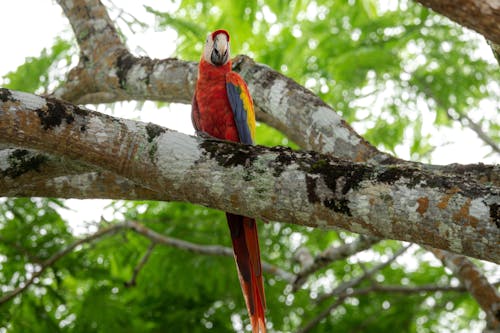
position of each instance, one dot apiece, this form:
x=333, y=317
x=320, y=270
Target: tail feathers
x=247, y=255
x=258, y=318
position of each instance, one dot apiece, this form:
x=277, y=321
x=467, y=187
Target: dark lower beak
x=218, y=58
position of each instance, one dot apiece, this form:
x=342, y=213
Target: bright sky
x=28, y=26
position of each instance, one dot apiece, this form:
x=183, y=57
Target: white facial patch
x=207, y=51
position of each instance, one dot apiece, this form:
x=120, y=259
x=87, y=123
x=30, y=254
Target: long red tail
x=247, y=255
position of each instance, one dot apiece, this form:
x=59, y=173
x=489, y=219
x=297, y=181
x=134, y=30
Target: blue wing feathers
x=239, y=112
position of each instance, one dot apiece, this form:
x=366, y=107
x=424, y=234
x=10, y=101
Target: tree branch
x=481, y=16
x=331, y=254
x=312, y=124
x=467, y=121
x=115, y=74
x=476, y=283
x=431, y=205
x=211, y=250
x=31, y=173
x=156, y=238
x=343, y=291
x=54, y=258
x=355, y=281
x=322, y=315
x=99, y=45
x=380, y=289
x=132, y=282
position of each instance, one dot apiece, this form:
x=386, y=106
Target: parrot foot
x=204, y=135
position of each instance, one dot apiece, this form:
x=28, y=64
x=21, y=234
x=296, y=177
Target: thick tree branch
x=432, y=206
x=31, y=173
x=99, y=47
x=312, y=124
x=479, y=15
x=108, y=72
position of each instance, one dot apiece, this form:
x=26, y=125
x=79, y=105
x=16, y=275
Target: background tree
x=166, y=266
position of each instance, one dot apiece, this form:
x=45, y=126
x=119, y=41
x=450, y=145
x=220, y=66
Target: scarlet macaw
x=223, y=108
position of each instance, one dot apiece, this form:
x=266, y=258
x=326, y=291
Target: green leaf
x=34, y=73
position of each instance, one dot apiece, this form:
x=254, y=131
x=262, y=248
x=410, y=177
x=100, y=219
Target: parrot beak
x=220, y=51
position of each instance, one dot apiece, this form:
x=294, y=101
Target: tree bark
x=476, y=283
x=430, y=206
x=483, y=16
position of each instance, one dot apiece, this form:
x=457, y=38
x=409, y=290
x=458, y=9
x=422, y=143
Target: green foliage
x=35, y=74
x=271, y=137
x=86, y=291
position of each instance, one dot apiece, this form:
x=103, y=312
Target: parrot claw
x=203, y=135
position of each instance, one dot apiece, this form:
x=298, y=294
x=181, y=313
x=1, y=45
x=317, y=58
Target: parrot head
x=216, y=50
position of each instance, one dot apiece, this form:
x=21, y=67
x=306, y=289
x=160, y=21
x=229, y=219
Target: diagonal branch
x=367, y=274
x=54, y=258
x=99, y=45
x=322, y=315
x=467, y=121
x=485, y=294
x=345, y=290
x=133, y=280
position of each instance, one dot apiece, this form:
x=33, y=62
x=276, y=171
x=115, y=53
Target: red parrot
x=222, y=108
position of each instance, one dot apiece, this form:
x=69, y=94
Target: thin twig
x=212, y=250
x=322, y=315
x=156, y=238
x=331, y=254
x=479, y=131
x=54, y=258
x=22, y=250
x=357, y=280
x=495, y=48
x=381, y=289
x=132, y=282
